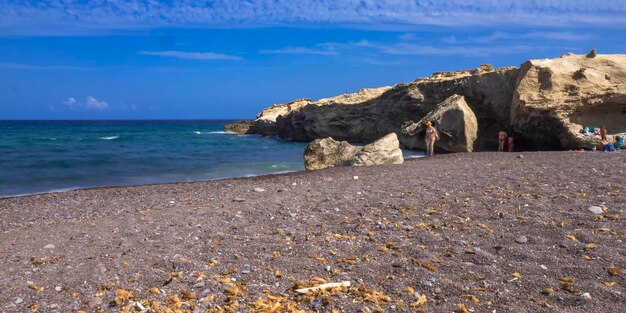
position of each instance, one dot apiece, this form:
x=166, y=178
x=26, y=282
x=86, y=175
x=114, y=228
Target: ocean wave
x=222, y=132
x=217, y=132
x=109, y=137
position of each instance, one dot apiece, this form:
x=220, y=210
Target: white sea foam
x=109, y=137
x=217, y=132
x=222, y=133
x=40, y=192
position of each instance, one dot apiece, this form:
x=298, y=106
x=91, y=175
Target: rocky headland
x=543, y=104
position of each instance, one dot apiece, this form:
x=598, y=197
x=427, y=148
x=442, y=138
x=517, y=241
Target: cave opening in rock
x=611, y=115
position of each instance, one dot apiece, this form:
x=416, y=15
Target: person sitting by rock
x=603, y=132
x=618, y=142
x=608, y=147
x=501, y=140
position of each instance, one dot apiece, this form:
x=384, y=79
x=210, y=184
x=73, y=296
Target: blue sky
x=230, y=59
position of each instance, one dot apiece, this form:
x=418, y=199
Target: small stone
x=49, y=246
x=239, y=200
x=543, y=267
x=437, y=290
x=94, y=302
x=355, y=177
x=586, y=296
x=258, y=189
x=595, y=209
x=520, y=156
x=408, y=227
x=18, y=300
x=58, y=288
x=521, y=239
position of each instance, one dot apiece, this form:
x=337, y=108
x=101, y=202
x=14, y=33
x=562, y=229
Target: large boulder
x=555, y=98
x=385, y=150
x=455, y=122
x=240, y=127
x=327, y=152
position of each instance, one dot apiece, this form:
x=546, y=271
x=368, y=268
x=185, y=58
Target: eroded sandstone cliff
x=543, y=104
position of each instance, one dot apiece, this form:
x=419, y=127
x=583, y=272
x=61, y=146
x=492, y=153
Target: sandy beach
x=480, y=232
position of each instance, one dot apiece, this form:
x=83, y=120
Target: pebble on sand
x=595, y=209
x=259, y=189
x=521, y=239
x=49, y=246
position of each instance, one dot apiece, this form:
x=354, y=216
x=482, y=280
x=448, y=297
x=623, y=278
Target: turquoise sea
x=46, y=156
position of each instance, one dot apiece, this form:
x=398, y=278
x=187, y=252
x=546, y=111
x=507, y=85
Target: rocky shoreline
x=543, y=104
x=531, y=232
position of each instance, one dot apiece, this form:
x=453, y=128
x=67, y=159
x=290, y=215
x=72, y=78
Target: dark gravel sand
x=481, y=232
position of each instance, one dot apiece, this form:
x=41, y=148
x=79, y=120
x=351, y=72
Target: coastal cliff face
x=543, y=104
x=555, y=98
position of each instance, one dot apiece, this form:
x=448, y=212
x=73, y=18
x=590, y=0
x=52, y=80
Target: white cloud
x=81, y=17
x=300, y=50
x=31, y=67
x=89, y=104
x=191, y=55
x=70, y=102
x=93, y=103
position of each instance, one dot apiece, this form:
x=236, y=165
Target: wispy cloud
x=191, y=55
x=47, y=17
x=499, y=36
x=300, y=50
x=457, y=50
x=31, y=67
x=372, y=51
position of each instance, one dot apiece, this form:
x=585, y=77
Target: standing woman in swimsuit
x=431, y=136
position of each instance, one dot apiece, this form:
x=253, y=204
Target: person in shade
x=619, y=140
x=603, y=132
x=510, y=144
x=430, y=138
x=501, y=140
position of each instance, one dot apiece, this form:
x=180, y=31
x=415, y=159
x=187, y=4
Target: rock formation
x=240, y=127
x=555, y=98
x=327, y=152
x=455, y=122
x=543, y=105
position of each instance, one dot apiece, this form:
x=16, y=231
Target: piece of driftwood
x=323, y=287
